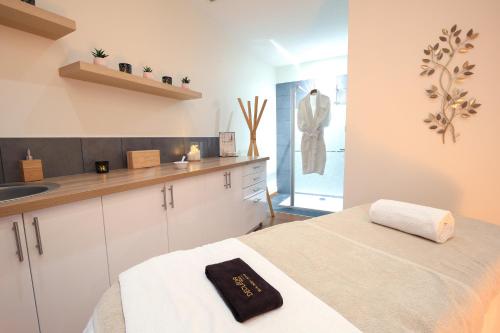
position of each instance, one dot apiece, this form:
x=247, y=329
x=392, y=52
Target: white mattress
x=379, y=279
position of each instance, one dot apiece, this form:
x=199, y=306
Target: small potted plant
x=185, y=82
x=147, y=72
x=99, y=56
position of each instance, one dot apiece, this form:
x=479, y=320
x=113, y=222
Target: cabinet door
x=17, y=302
x=136, y=227
x=231, y=215
x=67, y=252
x=193, y=211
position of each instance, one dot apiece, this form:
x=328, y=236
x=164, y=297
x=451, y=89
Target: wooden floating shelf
x=20, y=15
x=99, y=74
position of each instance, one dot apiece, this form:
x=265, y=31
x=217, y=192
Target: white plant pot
x=147, y=75
x=100, y=61
x=185, y=85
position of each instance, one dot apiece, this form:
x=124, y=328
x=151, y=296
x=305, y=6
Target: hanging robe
x=311, y=123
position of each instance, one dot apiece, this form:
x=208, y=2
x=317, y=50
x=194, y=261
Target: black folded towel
x=245, y=293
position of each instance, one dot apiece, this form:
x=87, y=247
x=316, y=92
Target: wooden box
x=137, y=159
x=31, y=170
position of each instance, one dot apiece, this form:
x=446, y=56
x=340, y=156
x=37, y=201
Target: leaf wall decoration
x=453, y=104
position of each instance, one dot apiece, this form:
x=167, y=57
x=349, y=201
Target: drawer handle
x=171, y=189
x=15, y=227
x=256, y=200
x=256, y=178
x=164, y=191
x=39, y=245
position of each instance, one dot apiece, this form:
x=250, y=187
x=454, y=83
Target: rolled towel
x=245, y=293
x=435, y=224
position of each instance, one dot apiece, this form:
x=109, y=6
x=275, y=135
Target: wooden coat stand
x=253, y=124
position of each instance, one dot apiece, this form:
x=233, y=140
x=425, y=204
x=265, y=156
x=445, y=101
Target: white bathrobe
x=311, y=123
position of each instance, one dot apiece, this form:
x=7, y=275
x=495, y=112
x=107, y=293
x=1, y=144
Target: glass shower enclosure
x=310, y=191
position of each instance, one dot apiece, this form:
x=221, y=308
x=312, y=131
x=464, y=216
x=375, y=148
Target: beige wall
x=172, y=36
x=390, y=153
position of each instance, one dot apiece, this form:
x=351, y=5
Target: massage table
x=379, y=279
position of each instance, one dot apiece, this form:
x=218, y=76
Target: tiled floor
x=282, y=218
x=278, y=198
x=317, y=202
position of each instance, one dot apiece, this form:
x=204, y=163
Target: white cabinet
x=210, y=208
x=67, y=250
x=225, y=204
x=17, y=304
x=254, y=195
x=254, y=210
x=192, y=210
x=136, y=227
x=56, y=263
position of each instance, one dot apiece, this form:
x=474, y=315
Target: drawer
x=255, y=211
x=253, y=179
x=254, y=189
x=254, y=168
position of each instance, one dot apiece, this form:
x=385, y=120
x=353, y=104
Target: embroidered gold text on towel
x=240, y=282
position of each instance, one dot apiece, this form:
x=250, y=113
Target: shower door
x=311, y=191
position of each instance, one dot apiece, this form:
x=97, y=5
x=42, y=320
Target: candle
x=194, y=153
x=102, y=166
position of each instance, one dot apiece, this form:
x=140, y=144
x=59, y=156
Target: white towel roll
x=435, y=224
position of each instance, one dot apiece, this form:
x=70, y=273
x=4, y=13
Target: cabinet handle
x=15, y=227
x=255, y=179
x=38, y=236
x=171, y=189
x=256, y=200
x=230, y=181
x=225, y=180
x=164, y=191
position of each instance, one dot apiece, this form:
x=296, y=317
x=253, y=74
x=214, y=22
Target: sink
x=14, y=191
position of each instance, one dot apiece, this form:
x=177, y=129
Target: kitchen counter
x=90, y=185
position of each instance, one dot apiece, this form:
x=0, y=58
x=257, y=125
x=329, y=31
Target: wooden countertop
x=90, y=185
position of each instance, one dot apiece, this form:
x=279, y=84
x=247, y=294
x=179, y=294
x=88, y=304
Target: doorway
x=310, y=194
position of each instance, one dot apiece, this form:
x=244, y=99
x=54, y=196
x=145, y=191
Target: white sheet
x=171, y=294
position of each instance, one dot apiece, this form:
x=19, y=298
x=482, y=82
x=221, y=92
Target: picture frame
x=227, y=144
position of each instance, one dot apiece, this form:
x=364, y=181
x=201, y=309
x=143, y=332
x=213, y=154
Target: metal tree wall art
x=454, y=102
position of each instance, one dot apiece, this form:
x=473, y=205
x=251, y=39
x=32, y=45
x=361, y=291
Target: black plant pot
x=167, y=79
x=124, y=67
x=31, y=2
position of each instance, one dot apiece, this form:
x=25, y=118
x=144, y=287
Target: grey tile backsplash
x=60, y=156
x=102, y=149
x=1, y=169
x=135, y=144
x=171, y=149
x=67, y=156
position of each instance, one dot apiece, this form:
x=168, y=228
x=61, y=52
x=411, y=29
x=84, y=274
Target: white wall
x=329, y=68
x=389, y=151
x=172, y=36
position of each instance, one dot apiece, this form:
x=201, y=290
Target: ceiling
x=284, y=32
